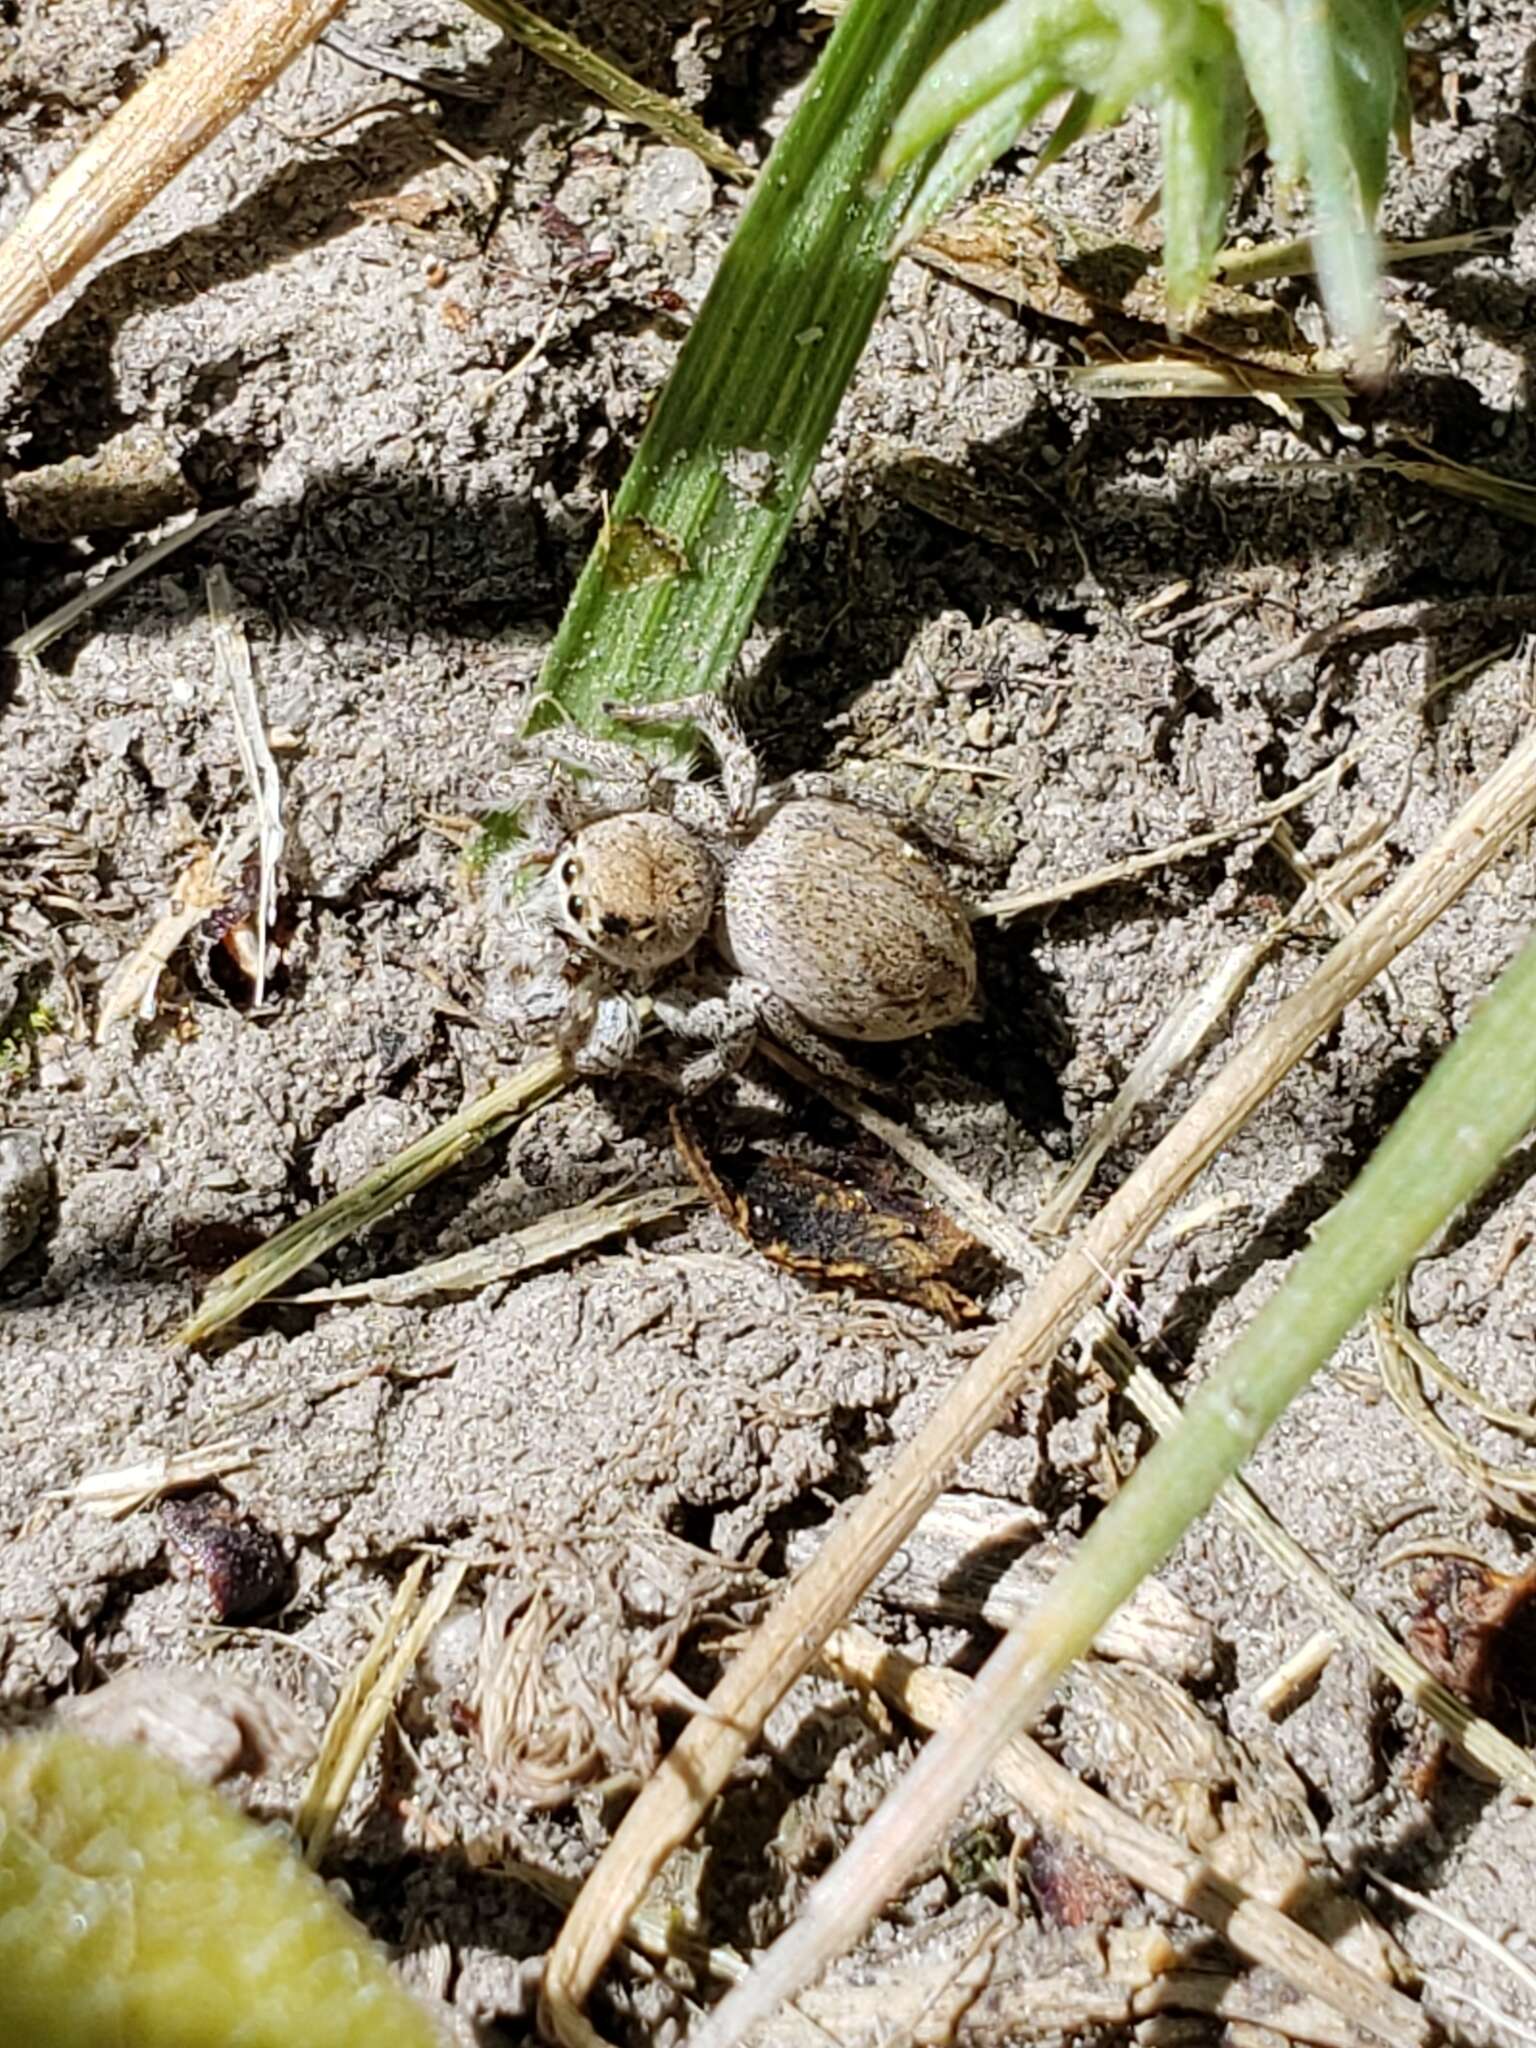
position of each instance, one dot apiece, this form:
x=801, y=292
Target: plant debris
x=575, y=1646
x=1068, y=270
x=859, y=1229
x=210, y=1723
x=132, y=481
x=1475, y=1627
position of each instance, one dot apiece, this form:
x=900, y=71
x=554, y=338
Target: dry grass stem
x=1295, y=258
x=1475, y=1936
x=1017, y=902
x=1466, y=1730
x=1184, y=377
x=132, y=988
x=1332, y=890
x=1193, y=1020
x=263, y=1271
x=122, y=1489
x=1519, y=1422
x=1183, y=1032
x=31, y=643
x=1460, y=480
x=1418, y=616
x=1405, y=1361
x=1058, y=1801
x=654, y=1931
x=1492, y=2013
x=176, y=112
x=814, y=1603
x=1469, y=1732
x=366, y=1700
x=952, y=1566
x=232, y=663
x=628, y=98
x=1291, y=1681
x=541, y=1243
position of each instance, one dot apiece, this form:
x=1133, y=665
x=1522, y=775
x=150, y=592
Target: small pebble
x=241, y=1563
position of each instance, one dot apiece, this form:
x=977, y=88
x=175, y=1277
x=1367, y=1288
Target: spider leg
x=739, y=772
x=729, y=1025
x=776, y=1017
x=725, y=1026
x=612, y=1040
x=608, y=776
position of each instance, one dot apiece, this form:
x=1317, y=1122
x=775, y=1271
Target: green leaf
x=1070, y=42
x=1203, y=119
x=1083, y=114
x=138, y=1907
x=1329, y=78
x=973, y=148
x=1177, y=54
x=1328, y=75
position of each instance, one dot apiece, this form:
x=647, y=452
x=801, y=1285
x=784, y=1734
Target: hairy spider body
x=638, y=889
x=829, y=923
x=832, y=909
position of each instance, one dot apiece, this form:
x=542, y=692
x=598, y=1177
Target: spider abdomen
x=831, y=909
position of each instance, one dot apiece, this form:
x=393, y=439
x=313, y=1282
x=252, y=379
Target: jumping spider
x=829, y=925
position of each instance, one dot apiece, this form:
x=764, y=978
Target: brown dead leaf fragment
x=132, y=987
x=953, y=495
x=1475, y=1628
x=637, y=552
x=1073, y=1888
x=1066, y=270
x=866, y=1232
x=403, y=209
x=229, y=939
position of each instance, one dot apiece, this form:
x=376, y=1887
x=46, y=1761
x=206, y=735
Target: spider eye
x=568, y=870
x=577, y=907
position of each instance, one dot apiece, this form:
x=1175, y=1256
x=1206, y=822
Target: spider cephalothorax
x=822, y=920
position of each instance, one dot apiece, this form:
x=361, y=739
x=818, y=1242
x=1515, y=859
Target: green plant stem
x=668, y=594
x=1479, y=1101
x=628, y=98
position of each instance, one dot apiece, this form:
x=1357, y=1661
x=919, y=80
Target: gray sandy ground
x=417, y=413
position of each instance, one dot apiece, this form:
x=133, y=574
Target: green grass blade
x=973, y=148
x=1203, y=120
x=628, y=98
x=667, y=596
x=1066, y=40
x=1079, y=118
x=1479, y=1101
x=261, y=1272
x=1329, y=79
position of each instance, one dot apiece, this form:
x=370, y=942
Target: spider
x=827, y=924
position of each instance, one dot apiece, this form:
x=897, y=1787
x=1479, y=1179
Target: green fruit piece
x=140, y=1910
